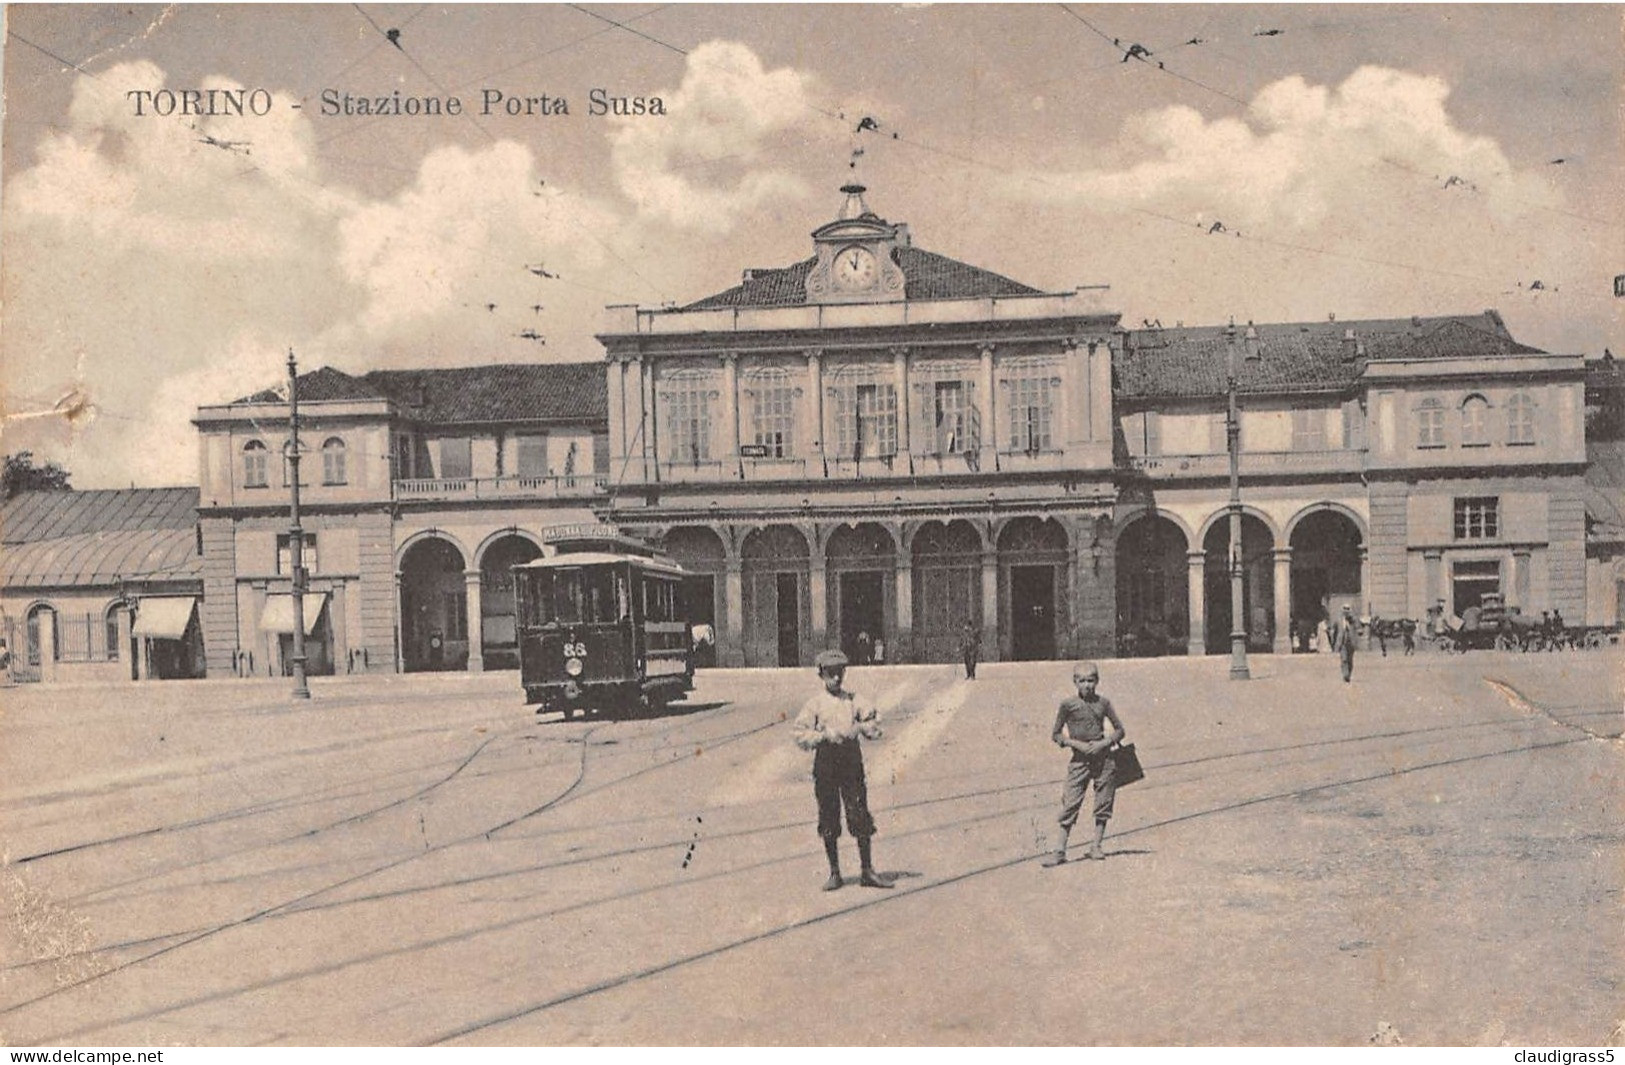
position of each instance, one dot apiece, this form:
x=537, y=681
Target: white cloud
x=728, y=110
x=1360, y=172
x=171, y=271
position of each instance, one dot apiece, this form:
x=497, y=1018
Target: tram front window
x=581, y=596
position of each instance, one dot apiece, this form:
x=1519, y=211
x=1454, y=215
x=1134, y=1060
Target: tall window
x=866, y=421
x=1308, y=430
x=1478, y=517
x=1430, y=424
x=333, y=471
x=456, y=457
x=957, y=423
x=1032, y=409
x=404, y=464
x=774, y=419
x=1353, y=425
x=688, y=425
x=532, y=460
x=284, y=554
x=1520, y=419
x=256, y=468
x=1475, y=416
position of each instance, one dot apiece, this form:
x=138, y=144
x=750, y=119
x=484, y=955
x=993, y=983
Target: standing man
x=829, y=725
x=1080, y=727
x=970, y=646
x=1344, y=634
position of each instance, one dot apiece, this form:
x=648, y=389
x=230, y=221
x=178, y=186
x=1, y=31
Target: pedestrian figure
x=970, y=646
x=829, y=725
x=865, y=648
x=1080, y=726
x=1379, y=629
x=1344, y=633
x=1323, y=636
x=1407, y=630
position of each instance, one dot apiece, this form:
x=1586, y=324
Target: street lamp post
x=1232, y=433
x=296, y=535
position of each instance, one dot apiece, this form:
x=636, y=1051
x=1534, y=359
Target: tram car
x=601, y=627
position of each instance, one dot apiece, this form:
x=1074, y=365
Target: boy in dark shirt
x=1080, y=726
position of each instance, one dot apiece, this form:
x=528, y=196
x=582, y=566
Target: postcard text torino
x=206, y=102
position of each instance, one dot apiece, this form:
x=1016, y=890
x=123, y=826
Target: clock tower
x=855, y=263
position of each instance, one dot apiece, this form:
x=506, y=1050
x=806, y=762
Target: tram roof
x=600, y=558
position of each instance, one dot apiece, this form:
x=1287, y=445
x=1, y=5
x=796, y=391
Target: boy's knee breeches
x=1102, y=770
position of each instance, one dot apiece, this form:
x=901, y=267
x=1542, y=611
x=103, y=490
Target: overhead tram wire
x=628, y=29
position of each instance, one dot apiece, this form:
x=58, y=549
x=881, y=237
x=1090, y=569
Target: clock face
x=855, y=268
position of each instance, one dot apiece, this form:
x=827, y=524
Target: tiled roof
x=102, y=558
x=564, y=391
x=927, y=276
x=36, y=516
x=1298, y=357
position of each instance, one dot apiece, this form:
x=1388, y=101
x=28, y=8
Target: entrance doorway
x=789, y=612
x=1032, y=612
x=697, y=600
x=863, y=614
x=1471, y=582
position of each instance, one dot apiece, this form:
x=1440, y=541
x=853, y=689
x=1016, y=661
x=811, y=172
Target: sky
x=1261, y=163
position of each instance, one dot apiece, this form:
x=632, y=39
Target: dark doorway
x=697, y=602
x=863, y=614
x=789, y=596
x=1472, y=581
x=1032, y=612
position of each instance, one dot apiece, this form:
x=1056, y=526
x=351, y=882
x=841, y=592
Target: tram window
x=659, y=602
x=582, y=596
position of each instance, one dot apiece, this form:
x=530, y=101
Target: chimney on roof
x=1250, y=342
x=1331, y=316
x=1416, y=321
x=747, y=277
x=1352, y=348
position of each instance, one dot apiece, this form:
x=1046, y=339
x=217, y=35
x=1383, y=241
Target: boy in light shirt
x=829, y=725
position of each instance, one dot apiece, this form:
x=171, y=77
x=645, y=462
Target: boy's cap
x=830, y=660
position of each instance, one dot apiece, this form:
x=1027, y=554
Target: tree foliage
x=21, y=475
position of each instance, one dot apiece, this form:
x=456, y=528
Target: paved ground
x=1433, y=854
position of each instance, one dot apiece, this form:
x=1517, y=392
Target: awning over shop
x=278, y=616
x=163, y=617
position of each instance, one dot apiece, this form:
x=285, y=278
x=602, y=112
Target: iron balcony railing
x=1341, y=460
x=569, y=486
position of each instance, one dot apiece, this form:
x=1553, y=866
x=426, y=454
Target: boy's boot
x=833, y=853
x=868, y=877
x=1058, y=855
x=1097, y=851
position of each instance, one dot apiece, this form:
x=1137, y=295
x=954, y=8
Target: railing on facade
x=879, y=467
x=1341, y=460
x=572, y=485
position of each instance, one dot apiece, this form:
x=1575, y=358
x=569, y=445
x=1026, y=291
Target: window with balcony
x=456, y=458
x=1032, y=407
x=1478, y=517
x=1309, y=430
x=866, y=421
x=284, y=554
x=531, y=456
x=1475, y=417
x=951, y=413
x=333, y=466
x=1430, y=423
x=256, y=467
x=773, y=420
x=688, y=424
x=1520, y=419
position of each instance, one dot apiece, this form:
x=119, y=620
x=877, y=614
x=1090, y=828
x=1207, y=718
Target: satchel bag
x=1126, y=768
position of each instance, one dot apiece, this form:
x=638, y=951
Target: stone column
x=1100, y=393
x=1283, y=600
x=400, y=612
x=899, y=357
x=124, y=649
x=989, y=404
x=817, y=598
x=651, y=423
x=730, y=409
x=1519, y=591
x=616, y=383
x=476, y=634
x=815, y=391
x=900, y=648
x=990, y=605
x=1433, y=586
x=1365, y=580
x=1196, y=572
x=731, y=642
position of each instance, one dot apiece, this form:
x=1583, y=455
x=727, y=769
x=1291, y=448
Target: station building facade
x=888, y=450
